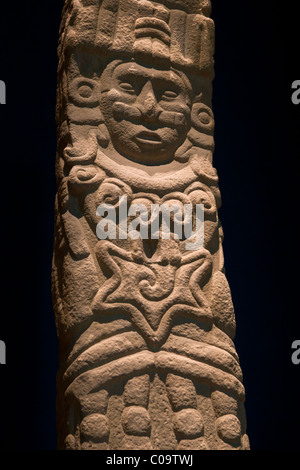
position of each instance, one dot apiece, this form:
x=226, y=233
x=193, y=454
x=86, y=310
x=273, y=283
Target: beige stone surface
x=146, y=327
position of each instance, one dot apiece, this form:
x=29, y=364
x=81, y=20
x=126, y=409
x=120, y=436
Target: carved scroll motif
x=145, y=324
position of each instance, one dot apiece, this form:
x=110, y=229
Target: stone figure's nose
x=147, y=102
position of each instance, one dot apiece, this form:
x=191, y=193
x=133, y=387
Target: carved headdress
x=178, y=32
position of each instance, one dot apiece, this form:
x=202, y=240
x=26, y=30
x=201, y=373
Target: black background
x=257, y=153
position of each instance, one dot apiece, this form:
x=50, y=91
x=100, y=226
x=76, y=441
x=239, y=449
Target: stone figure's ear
x=201, y=133
x=83, y=111
x=84, y=92
x=203, y=124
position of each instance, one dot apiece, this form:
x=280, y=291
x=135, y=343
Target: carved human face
x=146, y=111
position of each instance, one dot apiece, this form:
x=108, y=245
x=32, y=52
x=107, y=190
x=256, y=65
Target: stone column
x=143, y=309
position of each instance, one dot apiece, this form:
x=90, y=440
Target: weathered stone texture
x=146, y=327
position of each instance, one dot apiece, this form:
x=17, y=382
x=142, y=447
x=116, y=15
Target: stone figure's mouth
x=148, y=139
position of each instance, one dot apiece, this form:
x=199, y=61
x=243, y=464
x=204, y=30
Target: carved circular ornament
x=84, y=92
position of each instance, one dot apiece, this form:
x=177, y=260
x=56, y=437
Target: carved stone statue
x=144, y=316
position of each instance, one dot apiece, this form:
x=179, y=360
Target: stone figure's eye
x=169, y=94
x=127, y=87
